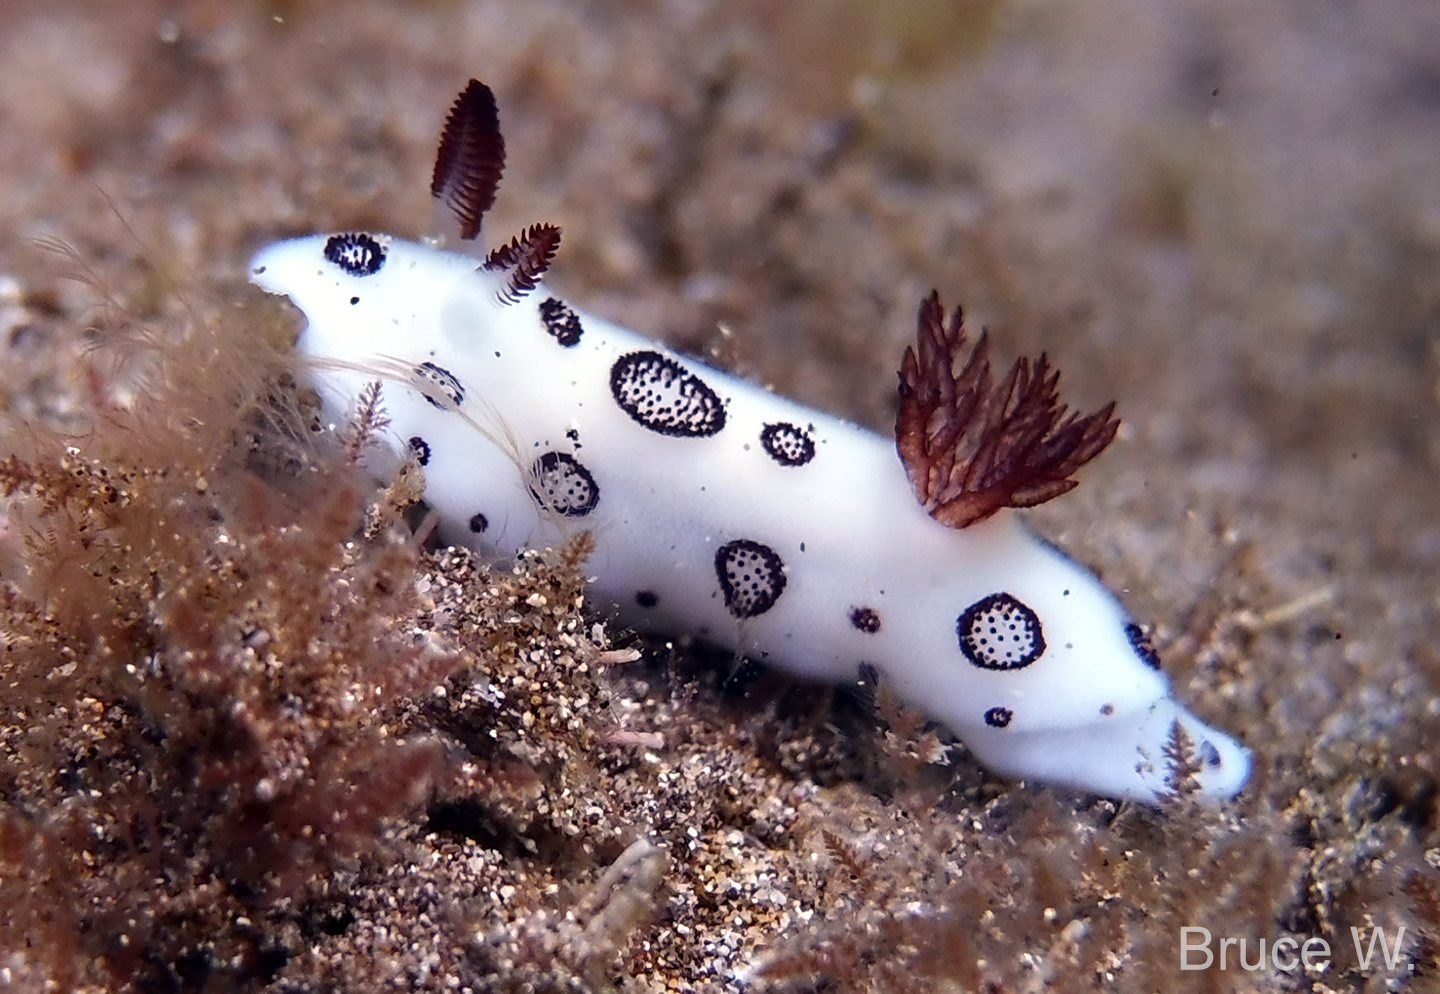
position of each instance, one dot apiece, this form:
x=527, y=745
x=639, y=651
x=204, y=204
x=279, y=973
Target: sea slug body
x=721, y=509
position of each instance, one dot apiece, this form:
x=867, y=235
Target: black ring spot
x=1000, y=633
x=444, y=380
x=478, y=523
x=560, y=321
x=421, y=448
x=646, y=598
x=663, y=396
x=355, y=252
x=998, y=717
x=562, y=484
x=787, y=444
x=1140, y=642
x=1209, y=754
x=867, y=619
x=752, y=577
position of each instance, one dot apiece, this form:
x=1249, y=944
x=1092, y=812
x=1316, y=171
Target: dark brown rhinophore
x=470, y=159
x=971, y=448
x=526, y=259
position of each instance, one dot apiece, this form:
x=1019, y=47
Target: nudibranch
x=720, y=509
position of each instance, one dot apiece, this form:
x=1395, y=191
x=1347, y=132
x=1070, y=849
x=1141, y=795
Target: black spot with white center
x=866, y=619
x=1000, y=633
x=663, y=396
x=355, y=252
x=1140, y=642
x=646, y=598
x=752, y=577
x=444, y=382
x=999, y=717
x=788, y=444
x=560, y=321
x=561, y=483
x=478, y=523
x=421, y=448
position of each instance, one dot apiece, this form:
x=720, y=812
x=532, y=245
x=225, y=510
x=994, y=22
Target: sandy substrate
x=1225, y=216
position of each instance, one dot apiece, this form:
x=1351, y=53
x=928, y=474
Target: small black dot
x=478, y=523
x=646, y=598
x=421, y=448
x=998, y=717
x=866, y=619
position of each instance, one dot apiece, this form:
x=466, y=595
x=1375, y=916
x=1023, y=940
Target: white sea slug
x=720, y=509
